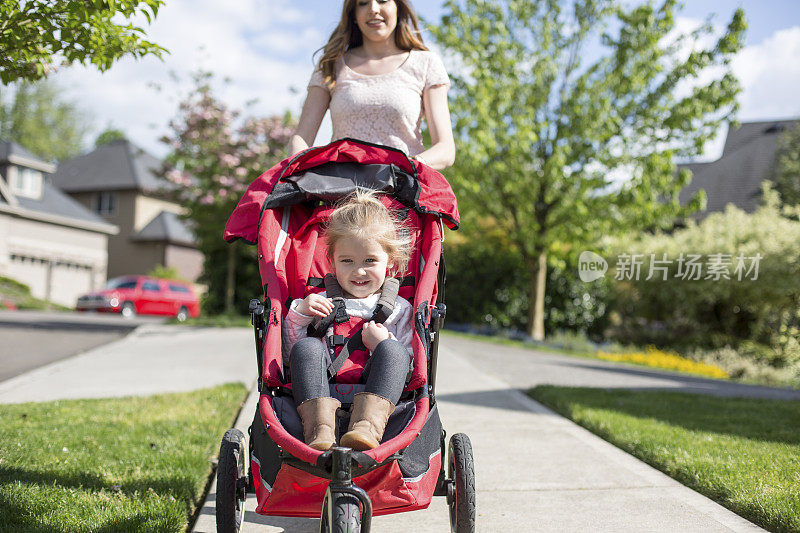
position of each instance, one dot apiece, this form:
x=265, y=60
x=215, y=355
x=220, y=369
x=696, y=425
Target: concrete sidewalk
x=536, y=471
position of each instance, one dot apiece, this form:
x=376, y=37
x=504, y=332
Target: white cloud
x=250, y=42
x=769, y=73
x=770, y=76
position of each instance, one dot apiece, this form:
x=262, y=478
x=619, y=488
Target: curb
x=246, y=412
x=243, y=420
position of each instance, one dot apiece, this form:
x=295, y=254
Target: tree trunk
x=538, y=279
x=230, y=279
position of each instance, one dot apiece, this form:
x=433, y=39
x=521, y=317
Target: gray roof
x=167, y=227
x=55, y=202
x=736, y=177
x=9, y=148
x=11, y=152
x=118, y=165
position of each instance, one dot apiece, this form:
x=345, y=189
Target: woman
x=379, y=79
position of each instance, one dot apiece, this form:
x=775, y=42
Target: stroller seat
x=283, y=213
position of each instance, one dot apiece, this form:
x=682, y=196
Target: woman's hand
x=373, y=334
x=315, y=305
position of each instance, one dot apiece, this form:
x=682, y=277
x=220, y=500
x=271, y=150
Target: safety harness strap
x=318, y=328
x=383, y=310
x=385, y=307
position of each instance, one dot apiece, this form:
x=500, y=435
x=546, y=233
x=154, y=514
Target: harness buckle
x=340, y=310
x=337, y=340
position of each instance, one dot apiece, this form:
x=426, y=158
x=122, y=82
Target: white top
x=384, y=108
x=295, y=326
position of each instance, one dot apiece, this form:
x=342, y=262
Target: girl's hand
x=373, y=334
x=315, y=305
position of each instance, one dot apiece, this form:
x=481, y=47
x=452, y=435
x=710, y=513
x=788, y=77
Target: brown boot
x=319, y=422
x=367, y=422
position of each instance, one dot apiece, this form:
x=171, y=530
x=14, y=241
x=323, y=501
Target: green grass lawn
x=19, y=294
x=742, y=452
x=127, y=464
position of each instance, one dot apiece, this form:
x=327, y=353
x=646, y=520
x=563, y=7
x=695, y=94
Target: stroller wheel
x=231, y=482
x=461, y=485
x=341, y=517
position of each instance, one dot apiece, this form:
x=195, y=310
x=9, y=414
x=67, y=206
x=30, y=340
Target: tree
x=110, y=134
x=787, y=167
x=38, y=119
x=214, y=155
x=544, y=134
x=161, y=271
x=35, y=34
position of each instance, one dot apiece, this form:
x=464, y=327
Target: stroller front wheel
x=342, y=516
x=231, y=482
x=461, y=484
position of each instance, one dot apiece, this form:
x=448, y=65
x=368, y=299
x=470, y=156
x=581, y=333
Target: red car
x=131, y=295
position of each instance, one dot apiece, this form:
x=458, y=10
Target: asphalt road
x=523, y=369
x=31, y=339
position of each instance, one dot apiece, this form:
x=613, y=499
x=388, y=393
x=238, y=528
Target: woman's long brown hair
x=348, y=35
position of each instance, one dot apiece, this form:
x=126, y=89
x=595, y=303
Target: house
x=47, y=240
x=748, y=159
x=118, y=181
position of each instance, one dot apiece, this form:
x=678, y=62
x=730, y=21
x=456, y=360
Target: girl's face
x=376, y=19
x=360, y=266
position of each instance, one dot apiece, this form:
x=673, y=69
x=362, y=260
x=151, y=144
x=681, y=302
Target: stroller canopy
x=330, y=172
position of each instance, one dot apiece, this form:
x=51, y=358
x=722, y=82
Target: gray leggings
x=386, y=370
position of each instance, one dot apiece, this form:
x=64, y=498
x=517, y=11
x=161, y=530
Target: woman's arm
x=442, y=152
x=314, y=109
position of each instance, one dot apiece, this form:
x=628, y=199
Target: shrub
x=571, y=340
x=487, y=286
x=759, y=317
x=161, y=271
x=741, y=366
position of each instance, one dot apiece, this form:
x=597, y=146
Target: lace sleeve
x=436, y=74
x=317, y=80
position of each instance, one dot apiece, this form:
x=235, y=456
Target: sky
x=264, y=49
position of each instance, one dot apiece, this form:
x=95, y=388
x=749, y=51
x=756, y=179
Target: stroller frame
x=344, y=465
x=343, y=498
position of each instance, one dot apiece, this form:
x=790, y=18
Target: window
x=150, y=286
x=178, y=288
x=121, y=283
x=26, y=182
x=105, y=203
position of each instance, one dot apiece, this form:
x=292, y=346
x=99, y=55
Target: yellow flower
x=654, y=357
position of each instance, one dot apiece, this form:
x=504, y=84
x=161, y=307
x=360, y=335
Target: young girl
x=379, y=80
x=364, y=247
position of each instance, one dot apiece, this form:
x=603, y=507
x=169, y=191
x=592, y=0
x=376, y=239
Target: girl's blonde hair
x=348, y=35
x=362, y=216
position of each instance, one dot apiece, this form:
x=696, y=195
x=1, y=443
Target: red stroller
x=283, y=212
